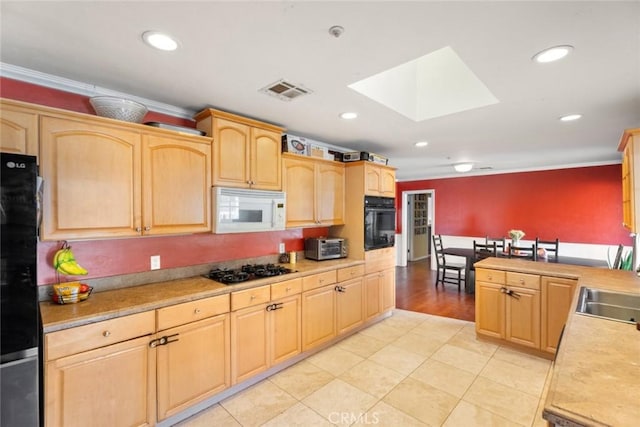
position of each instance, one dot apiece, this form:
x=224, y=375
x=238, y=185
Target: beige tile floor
x=411, y=369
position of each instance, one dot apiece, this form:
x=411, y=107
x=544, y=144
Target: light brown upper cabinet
x=107, y=179
x=630, y=148
x=18, y=128
x=315, y=191
x=246, y=152
x=379, y=180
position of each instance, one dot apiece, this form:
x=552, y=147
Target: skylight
x=434, y=85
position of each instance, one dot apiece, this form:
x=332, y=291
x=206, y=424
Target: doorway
x=417, y=225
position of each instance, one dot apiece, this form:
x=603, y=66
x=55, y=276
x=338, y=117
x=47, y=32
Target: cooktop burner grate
x=247, y=272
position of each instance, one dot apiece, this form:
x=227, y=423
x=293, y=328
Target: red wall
x=578, y=205
x=105, y=258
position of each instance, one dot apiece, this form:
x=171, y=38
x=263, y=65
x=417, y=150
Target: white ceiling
x=230, y=50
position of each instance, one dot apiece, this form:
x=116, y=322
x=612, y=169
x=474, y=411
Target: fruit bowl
x=118, y=108
x=70, y=292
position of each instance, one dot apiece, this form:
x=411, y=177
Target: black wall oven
x=379, y=222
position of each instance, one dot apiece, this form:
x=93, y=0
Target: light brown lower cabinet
x=318, y=316
x=333, y=309
x=140, y=369
x=557, y=294
x=508, y=306
x=527, y=309
x=349, y=305
x=101, y=374
x=388, y=284
x=193, y=360
x=264, y=334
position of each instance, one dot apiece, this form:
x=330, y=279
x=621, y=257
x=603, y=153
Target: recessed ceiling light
x=552, y=54
x=160, y=40
x=463, y=167
x=570, y=117
x=348, y=115
x=421, y=144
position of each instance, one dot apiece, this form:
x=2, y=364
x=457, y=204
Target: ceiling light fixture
x=570, y=117
x=463, y=167
x=421, y=144
x=160, y=40
x=552, y=54
x=348, y=115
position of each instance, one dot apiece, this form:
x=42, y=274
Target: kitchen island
x=595, y=378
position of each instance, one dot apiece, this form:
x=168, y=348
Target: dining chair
x=550, y=248
x=501, y=242
x=443, y=267
x=523, y=252
x=484, y=250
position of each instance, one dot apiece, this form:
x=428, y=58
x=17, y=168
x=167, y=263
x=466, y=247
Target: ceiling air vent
x=285, y=90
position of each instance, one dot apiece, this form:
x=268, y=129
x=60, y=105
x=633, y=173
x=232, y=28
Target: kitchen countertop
x=121, y=302
x=595, y=378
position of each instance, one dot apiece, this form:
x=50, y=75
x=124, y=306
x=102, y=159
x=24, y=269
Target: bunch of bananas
x=65, y=262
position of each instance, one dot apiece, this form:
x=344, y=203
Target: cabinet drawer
x=286, y=288
x=249, y=297
x=100, y=334
x=491, y=276
x=350, y=272
x=317, y=280
x=181, y=314
x=379, y=259
x=529, y=281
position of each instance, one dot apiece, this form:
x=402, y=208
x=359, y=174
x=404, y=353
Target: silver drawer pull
x=106, y=334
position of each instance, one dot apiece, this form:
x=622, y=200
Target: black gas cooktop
x=247, y=272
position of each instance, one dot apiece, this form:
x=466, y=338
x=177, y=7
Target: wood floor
x=416, y=291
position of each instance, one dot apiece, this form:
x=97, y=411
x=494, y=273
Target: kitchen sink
x=609, y=305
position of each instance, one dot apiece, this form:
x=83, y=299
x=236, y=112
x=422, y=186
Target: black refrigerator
x=20, y=342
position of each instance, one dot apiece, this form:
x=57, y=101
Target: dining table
x=469, y=256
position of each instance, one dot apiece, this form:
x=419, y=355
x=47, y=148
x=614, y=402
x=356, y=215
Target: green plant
x=626, y=263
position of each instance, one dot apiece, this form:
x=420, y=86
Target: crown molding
x=475, y=172
x=67, y=85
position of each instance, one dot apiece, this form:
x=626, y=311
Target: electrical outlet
x=281, y=248
x=155, y=262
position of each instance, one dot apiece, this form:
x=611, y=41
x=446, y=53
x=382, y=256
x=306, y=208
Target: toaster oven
x=321, y=248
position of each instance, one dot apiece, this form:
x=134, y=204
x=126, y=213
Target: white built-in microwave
x=238, y=210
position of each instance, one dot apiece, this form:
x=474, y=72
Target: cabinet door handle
x=138, y=229
x=513, y=294
x=106, y=334
x=252, y=297
x=340, y=289
x=147, y=228
x=288, y=289
x=164, y=340
x=196, y=311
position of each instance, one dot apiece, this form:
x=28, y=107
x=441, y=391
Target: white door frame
x=402, y=259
